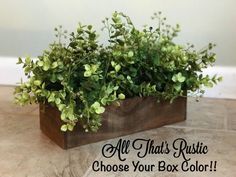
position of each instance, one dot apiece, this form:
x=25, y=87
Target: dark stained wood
x=134, y=115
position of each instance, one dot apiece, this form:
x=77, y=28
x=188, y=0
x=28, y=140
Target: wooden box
x=134, y=115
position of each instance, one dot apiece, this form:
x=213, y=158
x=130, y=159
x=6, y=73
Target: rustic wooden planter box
x=134, y=115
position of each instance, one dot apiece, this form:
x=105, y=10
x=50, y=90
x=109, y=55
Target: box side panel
x=50, y=124
x=134, y=115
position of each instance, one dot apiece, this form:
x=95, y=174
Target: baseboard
x=11, y=74
x=226, y=88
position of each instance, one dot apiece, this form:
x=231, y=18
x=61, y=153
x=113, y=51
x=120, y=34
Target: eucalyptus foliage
x=81, y=77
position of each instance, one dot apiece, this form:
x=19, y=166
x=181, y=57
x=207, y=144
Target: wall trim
x=226, y=88
x=11, y=74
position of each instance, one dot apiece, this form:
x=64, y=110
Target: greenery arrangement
x=81, y=77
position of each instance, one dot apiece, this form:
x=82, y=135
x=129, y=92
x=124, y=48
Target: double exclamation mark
x=213, y=166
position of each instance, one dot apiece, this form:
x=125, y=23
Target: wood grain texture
x=134, y=115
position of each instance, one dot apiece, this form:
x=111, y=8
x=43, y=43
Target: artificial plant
x=81, y=77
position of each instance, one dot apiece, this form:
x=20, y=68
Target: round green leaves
x=178, y=78
x=98, y=108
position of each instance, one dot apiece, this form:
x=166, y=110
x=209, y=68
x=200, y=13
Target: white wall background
x=26, y=28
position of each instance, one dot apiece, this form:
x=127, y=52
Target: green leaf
x=121, y=96
x=71, y=116
x=220, y=79
x=64, y=128
x=25, y=96
x=51, y=98
x=37, y=82
x=58, y=101
x=54, y=64
x=61, y=107
x=113, y=64
x=116, y=87
x=95, y=105
x=87, y=73
x=100, y=110
x=178, y=77
x=27, y=60
x=130, y=54
x=73, y=45
x=46, y=66
x=104, y=101
x=63, y=115
x=43, y=85
x=87, y=67
x=116, y=53
x=117, y=67
x=94, y=68
x=121, y=42
x=27, y=69
x=109, y=90
x=53, y=78
x=208, y=84
x=70, y=127
x=174, y=78
x=156, y=60
x=177, y=87
x=59, y=77
x=90, y=27
x=117, y=103
x=38, y=91
x=19, y=61
x=40, y=63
